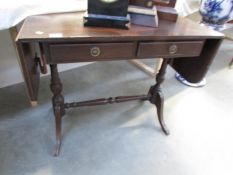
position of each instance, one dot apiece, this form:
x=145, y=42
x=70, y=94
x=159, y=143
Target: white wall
x=10, y=72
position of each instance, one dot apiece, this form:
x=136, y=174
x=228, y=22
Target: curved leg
x=159, y=105
x=156, y=95
x=58, y=118
x=58, y=105
x=231, y=64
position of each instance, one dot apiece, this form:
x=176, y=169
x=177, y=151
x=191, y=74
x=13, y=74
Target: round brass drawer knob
x=173, y=49
x=95, y=51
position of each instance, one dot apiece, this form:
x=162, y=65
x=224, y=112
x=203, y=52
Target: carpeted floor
x=122, y=139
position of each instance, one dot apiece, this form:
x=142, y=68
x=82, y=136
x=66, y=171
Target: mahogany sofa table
x=61, y=38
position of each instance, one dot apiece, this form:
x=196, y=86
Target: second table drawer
x=62, y=53
x=169, y=49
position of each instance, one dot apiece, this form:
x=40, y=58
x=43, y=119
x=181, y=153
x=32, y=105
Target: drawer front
x=169, y=49
x=65, y=53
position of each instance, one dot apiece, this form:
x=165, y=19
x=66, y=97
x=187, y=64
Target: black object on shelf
x=107, y=13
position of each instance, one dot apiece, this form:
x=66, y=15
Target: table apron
x=56, y=53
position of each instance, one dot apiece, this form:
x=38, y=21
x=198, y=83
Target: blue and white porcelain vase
x=215, y=13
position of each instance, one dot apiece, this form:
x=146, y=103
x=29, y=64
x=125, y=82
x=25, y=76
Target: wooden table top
x=62, y=26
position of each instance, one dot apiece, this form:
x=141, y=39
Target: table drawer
x=169, y=49
x=65, y=53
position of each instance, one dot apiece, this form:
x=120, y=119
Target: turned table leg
x=58, y=105
x=157, y=97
